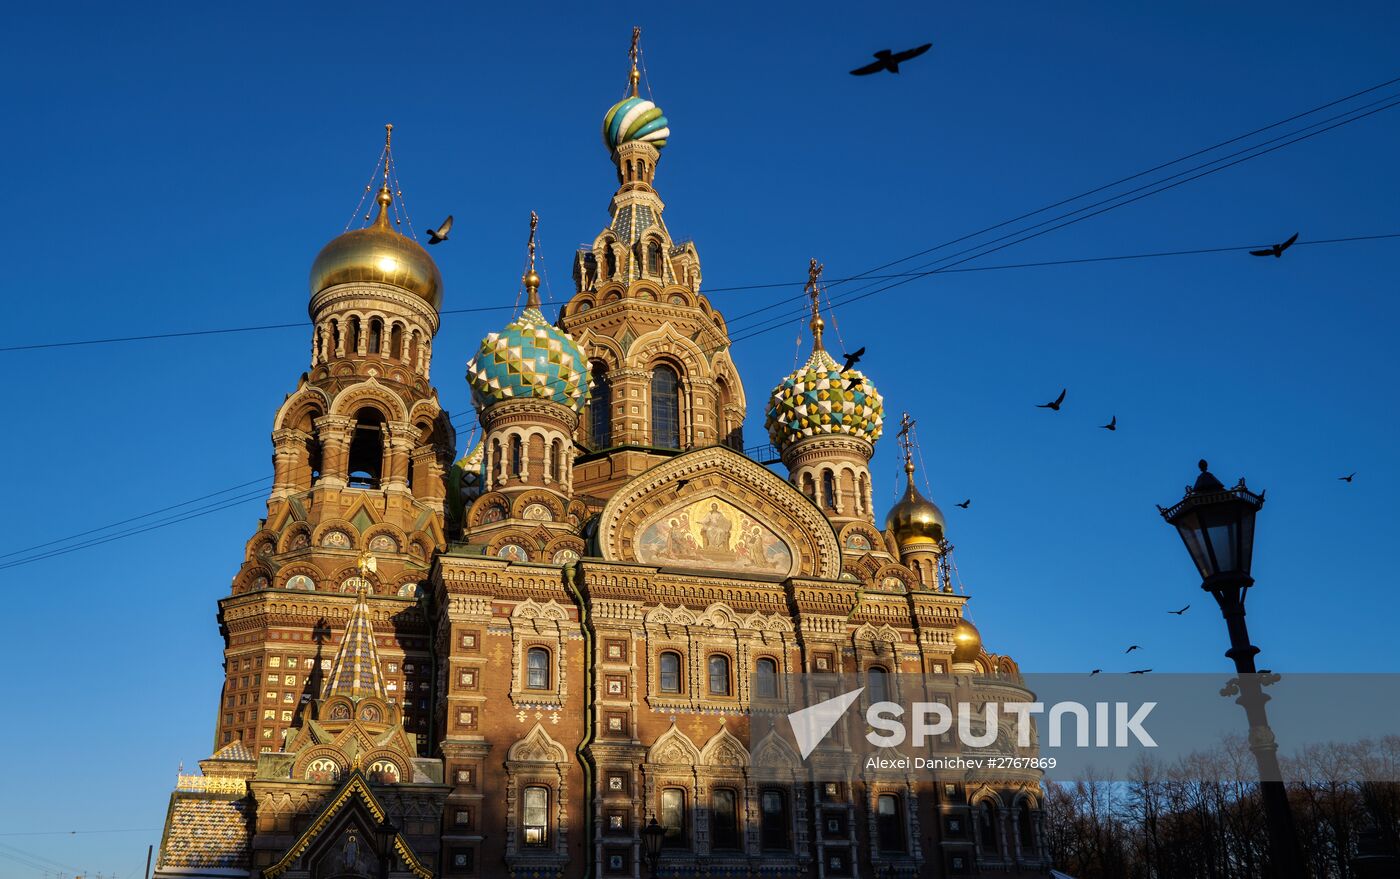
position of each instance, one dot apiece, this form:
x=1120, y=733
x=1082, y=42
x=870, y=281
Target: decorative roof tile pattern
x=822, y=399
x=355, y=670
x=206, y=832
x=530, y=358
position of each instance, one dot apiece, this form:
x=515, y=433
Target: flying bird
x=887, y=60
x=1132, y=648
x=1180, y=612
x=1139, y=671
x=965, y=504
x=853, y=358
x=1094, y=672
x=1276, y=250
x=681, y=483
x=1053, y=404
x=1346, y=478
x=1111, y=425
x=438, y=235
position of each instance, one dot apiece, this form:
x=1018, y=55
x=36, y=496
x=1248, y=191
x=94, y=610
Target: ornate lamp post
x=1217, y=525
x=385, y=833
x=652, y=835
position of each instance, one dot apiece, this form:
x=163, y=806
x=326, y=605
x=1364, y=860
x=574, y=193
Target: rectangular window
x=724, y=818
x=535, y=815
x=670, y=672
x=773, y=817
x=673, y=817
x=888, y=823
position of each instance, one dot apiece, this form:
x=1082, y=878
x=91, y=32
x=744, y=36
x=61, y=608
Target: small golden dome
x=378, y=253
x=967, y=641
x=915, y=521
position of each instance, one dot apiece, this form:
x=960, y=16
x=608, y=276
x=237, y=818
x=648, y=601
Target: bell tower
x=359, y=455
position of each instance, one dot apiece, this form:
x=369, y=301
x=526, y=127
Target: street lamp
x=1217, y=525
x=652, y=835
x=385, y=833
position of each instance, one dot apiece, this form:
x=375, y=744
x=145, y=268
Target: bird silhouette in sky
x=887, y=60
x=1111, y=425
x=1053, y=404
x=857, y=382
x=1346, y=478
x=853, y=358
x=438, y=235
x=1180, y=612
x=1139, y=671
x=965, y=504
x=1095, y=671
x=1132, y=648
x=1276, y=250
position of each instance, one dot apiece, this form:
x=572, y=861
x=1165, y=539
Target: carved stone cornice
x=371, y=296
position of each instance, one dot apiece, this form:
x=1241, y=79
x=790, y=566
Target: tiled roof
x=355, y=671
x=206, y=832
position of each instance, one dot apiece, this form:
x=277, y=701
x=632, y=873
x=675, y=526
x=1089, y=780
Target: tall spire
x=634, y=78
x=814, y=273
x=906, y=441
x=386, y=195
x=355, y=670
x=531, y=279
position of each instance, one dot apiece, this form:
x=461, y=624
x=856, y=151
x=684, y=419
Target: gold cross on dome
x=634, y=78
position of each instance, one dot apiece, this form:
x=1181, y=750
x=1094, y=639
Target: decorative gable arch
x=673, y=748
x=793, y=537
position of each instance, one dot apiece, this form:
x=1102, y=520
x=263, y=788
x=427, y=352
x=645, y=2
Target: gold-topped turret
x=378, y=253
x=915, y=521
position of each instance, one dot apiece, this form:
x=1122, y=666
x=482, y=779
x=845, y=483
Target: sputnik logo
x=810, y=725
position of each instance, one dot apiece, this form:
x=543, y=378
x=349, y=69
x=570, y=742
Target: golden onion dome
x=915, y=521
x=379, y=254
x=967, y=641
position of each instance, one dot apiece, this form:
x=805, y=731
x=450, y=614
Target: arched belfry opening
x=367, y=449
x=665, y=407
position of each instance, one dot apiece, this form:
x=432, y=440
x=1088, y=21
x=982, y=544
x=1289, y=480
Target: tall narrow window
x=724, y=818
x=877, y=683
x=670, y=672
x=537, y=668
x=672, y=817
x=376, y=335
x=556, y=461
x=535, y=815
x=517, y=456
x=665, y=408
x=828, y=490
x=719, y=675
x=773, y=821
x=396, y=342
x=889, y=823
x=1025, y=827
x=987, y=828
x=654, y=259
x=610, y=259
x=366, y=449
x=600, y=408
x=766, y=678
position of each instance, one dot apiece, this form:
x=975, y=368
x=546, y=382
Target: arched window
x=600, y=408
x=537, y=669
x=517, y=456
x=335, y=340
x=773, y=820
x=719, y=675
x=353, y=347
x=828, y=490
x=1025, y=828
x=987, y=827
x=654, y=259
x=396, y=342
x=609, y=259
x=724, y=818
x=889, y=823
x=367, y=449
x=556, y=461
x=665, y=408
x=766, y=678
x=534, y=815
x=376, y=335
x=672, y=817
x=877, y=684
x=669, y=672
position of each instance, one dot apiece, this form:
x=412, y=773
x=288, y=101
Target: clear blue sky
x=178, y=166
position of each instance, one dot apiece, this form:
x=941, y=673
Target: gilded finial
x=531, y=279
x=906, y=439
x=366, y=565
x=814, y=273
x=385, y=196
x=635, y=78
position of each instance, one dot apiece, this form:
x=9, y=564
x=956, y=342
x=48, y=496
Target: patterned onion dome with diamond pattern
x=635, y=119
x=821, y=399
x=529, y=359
